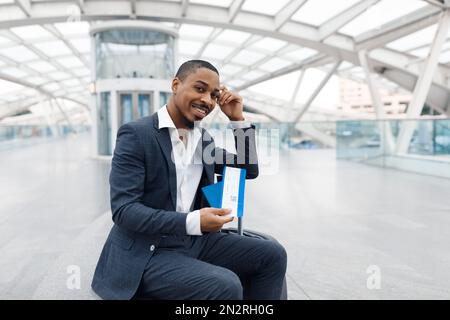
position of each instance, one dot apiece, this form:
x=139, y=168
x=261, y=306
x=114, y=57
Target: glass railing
x=352, y=139
x=20, y=135
x=420, y=146
x=365, y=139
x=374, y=142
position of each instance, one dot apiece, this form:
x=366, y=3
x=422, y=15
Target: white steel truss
x=66, y=74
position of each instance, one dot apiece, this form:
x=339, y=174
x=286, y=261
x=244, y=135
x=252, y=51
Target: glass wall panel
x=134, y=105
x=104, y=124
x=163, y=98
x=144, y=104
x=134, y=53
x=441, y=142
x=126, y=108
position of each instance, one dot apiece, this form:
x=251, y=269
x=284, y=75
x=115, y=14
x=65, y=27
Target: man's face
x=195, y=97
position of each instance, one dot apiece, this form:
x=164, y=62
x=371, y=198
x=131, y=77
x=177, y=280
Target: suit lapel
x=163, y=138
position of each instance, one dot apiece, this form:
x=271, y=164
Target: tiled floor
x=50, y=193
x=339, y=221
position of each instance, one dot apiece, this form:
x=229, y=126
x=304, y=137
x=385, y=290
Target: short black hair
x=191, y=66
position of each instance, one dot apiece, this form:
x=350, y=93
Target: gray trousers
x=214, y=266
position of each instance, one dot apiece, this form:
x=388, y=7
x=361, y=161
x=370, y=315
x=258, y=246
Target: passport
x=228, y=193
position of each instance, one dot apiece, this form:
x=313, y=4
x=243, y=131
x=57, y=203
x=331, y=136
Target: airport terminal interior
x=351, y=104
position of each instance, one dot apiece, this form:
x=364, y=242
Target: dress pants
x=214, y=266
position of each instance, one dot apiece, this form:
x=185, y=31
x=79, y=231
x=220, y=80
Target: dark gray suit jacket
x=143, y=199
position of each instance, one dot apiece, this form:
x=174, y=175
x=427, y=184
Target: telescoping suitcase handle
x=240, y=230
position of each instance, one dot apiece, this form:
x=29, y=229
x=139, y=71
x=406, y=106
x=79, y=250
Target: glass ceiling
x=54, y=56
x=381, y=13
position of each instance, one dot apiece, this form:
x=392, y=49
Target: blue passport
x=214, y=192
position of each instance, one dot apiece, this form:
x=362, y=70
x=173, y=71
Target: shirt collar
x=164, y=119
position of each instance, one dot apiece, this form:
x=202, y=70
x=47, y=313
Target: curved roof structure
x=45, y=46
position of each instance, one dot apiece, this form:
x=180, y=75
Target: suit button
x=152, y=247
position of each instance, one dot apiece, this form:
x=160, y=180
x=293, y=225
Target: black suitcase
x=259, y=235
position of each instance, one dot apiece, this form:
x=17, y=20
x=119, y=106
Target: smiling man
x=166, y=241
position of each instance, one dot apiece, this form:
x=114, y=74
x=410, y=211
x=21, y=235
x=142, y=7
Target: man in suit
x=166, y=241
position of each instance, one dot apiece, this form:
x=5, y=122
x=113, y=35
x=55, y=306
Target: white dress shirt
x=188, y=164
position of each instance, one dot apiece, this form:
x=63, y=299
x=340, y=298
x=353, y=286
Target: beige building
x=355, y=98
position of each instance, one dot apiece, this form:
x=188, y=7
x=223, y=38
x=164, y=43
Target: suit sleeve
x=126, y=181
x=245, y=157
